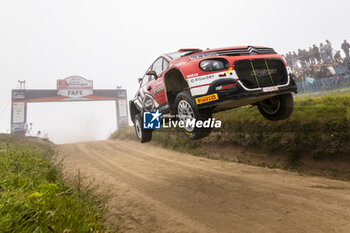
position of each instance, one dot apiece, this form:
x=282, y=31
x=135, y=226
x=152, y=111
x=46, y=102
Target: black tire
x=203, y=115
x=144, y=135
x=277, y=108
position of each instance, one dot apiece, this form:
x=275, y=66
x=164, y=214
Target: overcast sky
x=114, y=42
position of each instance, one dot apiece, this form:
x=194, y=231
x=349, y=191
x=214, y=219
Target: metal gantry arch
x=73, y=88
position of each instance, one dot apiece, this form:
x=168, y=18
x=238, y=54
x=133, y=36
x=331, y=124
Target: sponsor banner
x=18, y=127
x=122, y=108
x=74, y=87
x=18, y=112
x=75, y=93
x=123, y=122
x=18, y=94
x=121, y=93
x=207, y=98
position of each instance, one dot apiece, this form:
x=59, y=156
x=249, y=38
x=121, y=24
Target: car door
x=159, y=66
x=148, y=102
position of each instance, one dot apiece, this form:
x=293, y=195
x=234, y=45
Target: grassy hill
x=319, y=126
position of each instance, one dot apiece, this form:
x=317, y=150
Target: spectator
x=323, y=51
x=337, y=57
x=295, y=58
x=329, y=50
x=301, y=57
x=345, y=47
x=347, y=61
x=316, y=53
x=316, y=69
x=289, y=58
x=312, y=56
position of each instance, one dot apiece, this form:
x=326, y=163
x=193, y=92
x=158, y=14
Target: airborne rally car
x=191, y=84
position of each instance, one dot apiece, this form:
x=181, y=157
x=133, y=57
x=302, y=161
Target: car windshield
x=176, y=55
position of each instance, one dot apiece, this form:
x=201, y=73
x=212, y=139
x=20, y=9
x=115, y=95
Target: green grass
x=34, y=197
x=318, y=126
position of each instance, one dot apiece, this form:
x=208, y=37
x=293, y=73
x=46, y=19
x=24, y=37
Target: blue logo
x=151, y=120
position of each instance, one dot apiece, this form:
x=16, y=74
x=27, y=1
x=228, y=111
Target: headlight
x=213, y=65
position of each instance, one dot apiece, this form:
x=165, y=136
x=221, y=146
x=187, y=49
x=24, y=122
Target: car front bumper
x=238, y=95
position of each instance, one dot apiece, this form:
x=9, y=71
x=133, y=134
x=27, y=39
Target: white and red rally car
x=193, y=84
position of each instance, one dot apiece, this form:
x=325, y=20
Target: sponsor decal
x=151, y=120
x=158, y=89
x=207, y=98
x=225, y=87
x=148, y=103
x=201, y=78
x=262, y=73
x=192, y=75
x=74, y=87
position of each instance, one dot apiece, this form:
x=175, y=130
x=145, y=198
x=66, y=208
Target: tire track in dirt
x=150, y=188
x=157, y=190
x=225, y=177
x=131, y=198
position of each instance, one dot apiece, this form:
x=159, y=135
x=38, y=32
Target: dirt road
x=158, y=190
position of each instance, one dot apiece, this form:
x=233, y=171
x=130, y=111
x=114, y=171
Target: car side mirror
x=140, y=79
x=152, y=73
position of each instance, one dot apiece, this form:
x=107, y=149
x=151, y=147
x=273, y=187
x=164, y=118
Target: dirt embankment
x=159, y=190
x=315, y=140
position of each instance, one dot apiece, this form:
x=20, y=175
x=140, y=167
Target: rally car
x=194, y=84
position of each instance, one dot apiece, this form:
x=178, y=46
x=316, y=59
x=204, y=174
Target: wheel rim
x=186, y=113
x=271, y=106
x=138, y=128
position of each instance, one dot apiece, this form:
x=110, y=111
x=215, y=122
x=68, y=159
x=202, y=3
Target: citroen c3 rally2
x=194, y=84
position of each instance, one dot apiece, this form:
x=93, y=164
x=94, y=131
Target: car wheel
x=144, y=135
x=277, y=108
x=186, y=109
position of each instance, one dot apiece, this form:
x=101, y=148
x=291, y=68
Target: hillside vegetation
x=33, y=196
x=318, y=126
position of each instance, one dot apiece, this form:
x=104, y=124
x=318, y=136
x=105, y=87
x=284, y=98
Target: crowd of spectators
x=321, y=65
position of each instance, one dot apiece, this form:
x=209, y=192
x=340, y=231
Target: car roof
x=178, y=54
